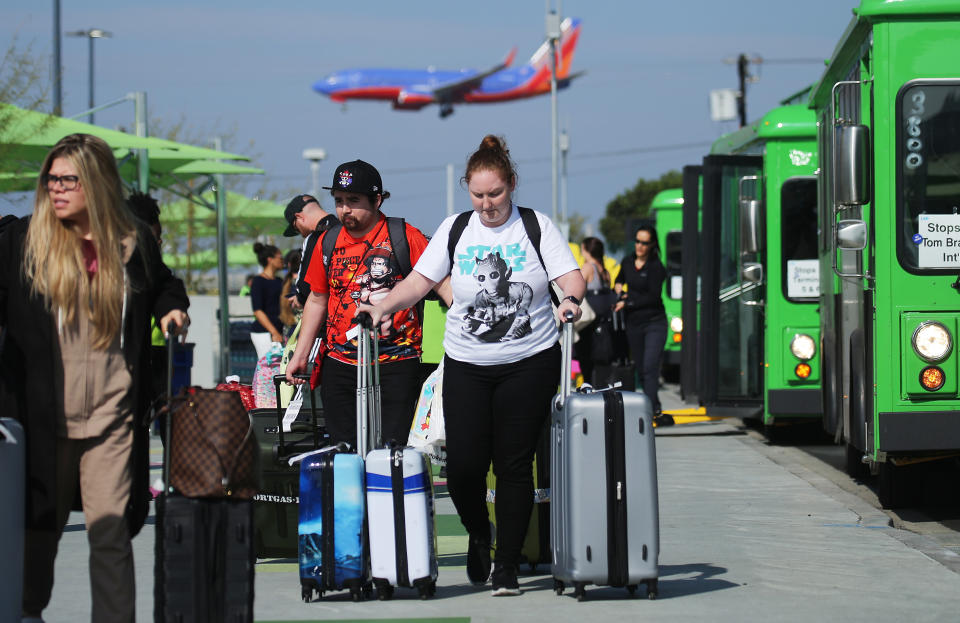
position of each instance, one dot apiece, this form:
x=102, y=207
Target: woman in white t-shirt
x=502, y=355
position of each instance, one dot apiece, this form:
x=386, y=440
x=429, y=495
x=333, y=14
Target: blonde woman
x=79, y=282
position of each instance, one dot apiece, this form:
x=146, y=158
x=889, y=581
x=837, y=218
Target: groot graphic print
x=500, y=311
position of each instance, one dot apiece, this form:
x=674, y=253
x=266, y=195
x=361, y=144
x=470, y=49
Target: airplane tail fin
x=569, y=34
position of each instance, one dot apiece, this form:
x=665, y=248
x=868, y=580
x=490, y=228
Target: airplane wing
x=447, y=92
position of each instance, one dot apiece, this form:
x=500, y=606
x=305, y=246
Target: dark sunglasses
x=645, y=243
x=68, y=182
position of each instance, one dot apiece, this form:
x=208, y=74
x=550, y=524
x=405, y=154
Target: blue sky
x=248, y=66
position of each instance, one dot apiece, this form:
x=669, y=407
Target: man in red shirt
x=362, y=265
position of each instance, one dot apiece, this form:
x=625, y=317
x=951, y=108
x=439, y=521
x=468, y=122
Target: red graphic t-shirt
x=365, y=270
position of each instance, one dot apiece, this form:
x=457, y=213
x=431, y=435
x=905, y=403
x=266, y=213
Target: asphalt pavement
x=749, y=532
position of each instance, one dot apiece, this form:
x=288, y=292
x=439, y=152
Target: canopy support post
x=221, y=199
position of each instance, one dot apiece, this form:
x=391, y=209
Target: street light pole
x=90, y=34
x=315, y=155
x=553, y=35
x=57, y=90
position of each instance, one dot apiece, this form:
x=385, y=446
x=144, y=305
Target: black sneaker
x=663, y=419
x=478, y=560
x=505, y=580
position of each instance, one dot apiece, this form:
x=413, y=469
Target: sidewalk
x=742, y=539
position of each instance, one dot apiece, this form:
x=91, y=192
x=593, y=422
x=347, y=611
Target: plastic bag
x=427, y=432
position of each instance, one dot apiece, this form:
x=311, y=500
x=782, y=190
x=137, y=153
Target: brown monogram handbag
x=213, y=452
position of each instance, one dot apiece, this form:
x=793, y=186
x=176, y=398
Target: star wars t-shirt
x=501, y=309
x=364, y=270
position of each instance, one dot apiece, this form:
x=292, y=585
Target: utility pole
x=57, y=89
x=743, y=77
x=553, y=36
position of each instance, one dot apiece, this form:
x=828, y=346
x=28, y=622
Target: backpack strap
x=532, y=226
x=397, y=233
x=456, y=231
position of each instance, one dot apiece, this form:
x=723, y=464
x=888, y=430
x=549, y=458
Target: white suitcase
x=403, y=549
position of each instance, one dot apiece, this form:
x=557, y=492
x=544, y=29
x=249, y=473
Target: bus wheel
x=854, y=465
x=894, y=486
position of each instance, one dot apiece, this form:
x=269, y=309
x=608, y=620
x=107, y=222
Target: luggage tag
x=293, y=409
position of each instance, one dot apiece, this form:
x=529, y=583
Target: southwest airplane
x=410, y=89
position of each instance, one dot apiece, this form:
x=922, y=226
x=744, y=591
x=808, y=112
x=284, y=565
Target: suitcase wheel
x=384, y=591
x=651, y=588
x=558, y=587
x=632, y=589
x=580, y=590
x=427, y=590
x=306, y=593
x=355, y=594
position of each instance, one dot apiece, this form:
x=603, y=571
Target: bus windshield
x=798, y=239
x=928, y=150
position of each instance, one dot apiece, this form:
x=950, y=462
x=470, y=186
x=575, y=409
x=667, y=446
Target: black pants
x=646, y=347
x=399, y=390
x=496, y=413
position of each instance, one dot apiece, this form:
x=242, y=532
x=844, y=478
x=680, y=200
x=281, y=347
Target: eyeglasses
x=67, y=182
x=645, y=243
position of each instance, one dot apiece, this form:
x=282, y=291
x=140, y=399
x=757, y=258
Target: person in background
x=288, y=296
x=600, y=297
x=306, y=217
x=265, y=299
x=245, y=288
x=363, y=262
x=645, y=316
x=502, y=357
x=80, y=280
x=146, y=208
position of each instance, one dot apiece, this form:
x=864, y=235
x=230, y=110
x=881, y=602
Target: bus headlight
x=932, y=341
x=676, y=324
x=803, y=347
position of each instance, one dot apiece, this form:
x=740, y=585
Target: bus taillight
x=932, y=378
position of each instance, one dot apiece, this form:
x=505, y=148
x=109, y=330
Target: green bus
x=758, y=326
x=667, y=212
x=888, y=107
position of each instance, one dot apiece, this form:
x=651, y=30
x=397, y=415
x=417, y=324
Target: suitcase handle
x=278, y=379
x=368, y=385
x=566, y=359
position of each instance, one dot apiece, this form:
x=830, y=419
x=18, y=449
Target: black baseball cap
x=359, y=177
x=294, y=208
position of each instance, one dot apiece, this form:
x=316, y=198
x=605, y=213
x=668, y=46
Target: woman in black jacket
x=80, y=280
x=646, y=319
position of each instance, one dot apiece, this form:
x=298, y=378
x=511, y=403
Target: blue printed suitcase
x=403, y=549
x=332, y=544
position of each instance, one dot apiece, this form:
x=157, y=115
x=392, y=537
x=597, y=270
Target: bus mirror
x=853, y=164
x=752, y=272
x=750, y=226
x=852, y=234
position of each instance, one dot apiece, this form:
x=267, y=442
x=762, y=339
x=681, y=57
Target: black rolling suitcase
x=204, y=557
x=276, y=506
x=620, y=372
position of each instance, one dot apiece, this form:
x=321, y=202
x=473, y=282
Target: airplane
x=410, y=89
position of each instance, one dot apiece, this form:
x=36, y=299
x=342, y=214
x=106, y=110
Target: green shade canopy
x=26, y=137
x=237, y=255
x=243, y=213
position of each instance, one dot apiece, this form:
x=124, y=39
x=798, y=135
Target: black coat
x=31, y=369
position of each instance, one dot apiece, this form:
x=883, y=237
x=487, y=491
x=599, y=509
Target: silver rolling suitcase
x=12, y=485
x=604, y=513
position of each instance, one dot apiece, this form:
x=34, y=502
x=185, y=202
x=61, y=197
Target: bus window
x=673, y=256
x=798, y=239
x=928, y=168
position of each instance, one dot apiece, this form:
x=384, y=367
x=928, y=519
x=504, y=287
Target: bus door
x=731, y=318
x=690, y=275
